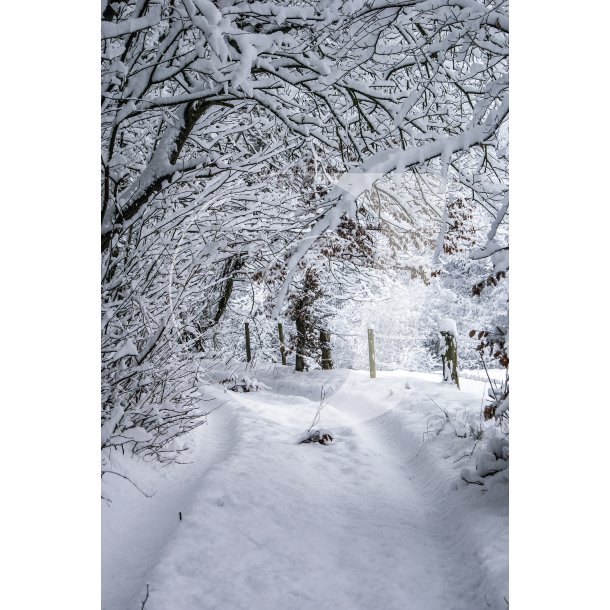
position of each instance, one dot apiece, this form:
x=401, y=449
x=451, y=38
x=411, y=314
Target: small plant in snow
x=317, y=436
x=475, y=431
x=244, y=384
x=467, y=425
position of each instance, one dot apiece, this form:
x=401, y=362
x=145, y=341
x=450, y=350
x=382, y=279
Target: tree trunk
x=301, y=339
x=233, y=264
x=327, y=361
x=248, y=351
x=280, y=330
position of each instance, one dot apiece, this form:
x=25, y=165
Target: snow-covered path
x=374, y=520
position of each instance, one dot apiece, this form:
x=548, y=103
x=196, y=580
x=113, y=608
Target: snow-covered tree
x=207, y=111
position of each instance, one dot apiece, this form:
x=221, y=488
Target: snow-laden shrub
x=150, y=389
x=151, y=380
x=323, y=437
x=244, y=384
x=467, y=424
x=493, y=457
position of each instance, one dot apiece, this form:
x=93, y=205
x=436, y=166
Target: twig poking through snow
x=320, y=436
x=146, y=598
x=316, y=417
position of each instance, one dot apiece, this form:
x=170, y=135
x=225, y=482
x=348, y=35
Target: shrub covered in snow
x=324, y=437
x=494, y=457
x=244, y=384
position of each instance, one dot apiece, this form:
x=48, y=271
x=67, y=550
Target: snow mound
x=493, y=458
x=244, y=384
x=448, y=326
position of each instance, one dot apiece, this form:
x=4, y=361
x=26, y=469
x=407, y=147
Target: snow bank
x=379, y=518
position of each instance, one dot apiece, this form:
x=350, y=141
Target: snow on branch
x=129, y=26
x=354, y=183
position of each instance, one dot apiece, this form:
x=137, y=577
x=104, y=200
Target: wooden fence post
x=372, y=367
x=449, y=356
x=248, y=352
x=280, y=330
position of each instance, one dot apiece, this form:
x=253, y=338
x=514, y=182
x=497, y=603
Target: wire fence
x=481, y=374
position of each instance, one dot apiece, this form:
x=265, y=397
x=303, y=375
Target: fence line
x=480, y=378
x=285, y=350
x=464, y=338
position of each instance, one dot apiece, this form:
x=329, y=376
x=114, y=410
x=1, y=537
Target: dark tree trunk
x=248, y=350
x=300, y=343
x=188, y=116
x=234, y=264
x=280, y=330
x=327, y=359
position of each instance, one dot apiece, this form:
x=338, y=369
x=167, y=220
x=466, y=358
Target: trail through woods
x=379, y=518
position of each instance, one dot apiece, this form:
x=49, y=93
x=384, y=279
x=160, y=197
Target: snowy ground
x=378, y=519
